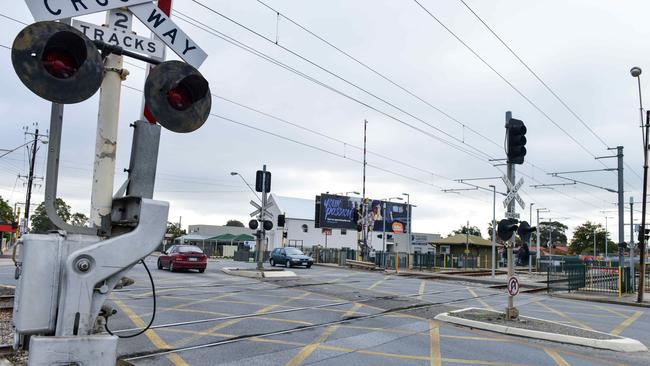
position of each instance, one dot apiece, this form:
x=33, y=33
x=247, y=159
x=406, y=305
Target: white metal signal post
x=65, y=277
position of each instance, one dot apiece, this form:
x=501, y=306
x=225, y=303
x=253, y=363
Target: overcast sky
x=583, y=51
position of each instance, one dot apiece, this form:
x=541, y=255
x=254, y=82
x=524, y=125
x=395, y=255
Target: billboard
x=339, y=212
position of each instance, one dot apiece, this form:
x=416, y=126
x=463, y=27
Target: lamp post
x=636, y=72
x=494, y=224
x=537, y=230
x=249, y=186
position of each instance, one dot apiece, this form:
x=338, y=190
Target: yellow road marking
x=353, y=310
x=377, y=283
x=556, y=357
x=307, y=350
x=626, y=323
x=481, y=301
x=434, y=344
x=231, y=322
x=616, y=312
x=423, y=283
x=565, y=316
x=479, y=362
x=153, y=336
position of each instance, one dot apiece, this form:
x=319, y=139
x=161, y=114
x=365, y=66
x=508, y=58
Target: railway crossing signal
x=516, y=133
x=57, y=62
x=505, y=229
x=525, y=231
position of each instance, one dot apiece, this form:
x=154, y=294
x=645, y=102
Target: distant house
x=456, y=245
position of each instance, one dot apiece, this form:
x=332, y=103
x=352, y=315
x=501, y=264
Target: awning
x=223, y=237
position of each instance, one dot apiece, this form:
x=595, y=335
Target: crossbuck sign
x=512, y=192
x=145, y=10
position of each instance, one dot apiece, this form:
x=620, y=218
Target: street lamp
x=537, y=230
x=636, y=72
x=249, y=186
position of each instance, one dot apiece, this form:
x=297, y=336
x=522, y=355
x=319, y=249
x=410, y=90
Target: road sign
x=258, y=210
x=120, y=19
x=326, y=231
x=58, y=9
x=512, y=215
x=513, y=286
x=512, y=192
x=170, y=33
x=126, y=40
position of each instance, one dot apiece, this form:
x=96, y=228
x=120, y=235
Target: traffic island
x=268, y=273
x=495, y=321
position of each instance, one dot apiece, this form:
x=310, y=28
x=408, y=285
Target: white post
x=106, y=139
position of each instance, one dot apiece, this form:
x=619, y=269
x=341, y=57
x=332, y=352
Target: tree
x=6, y=213
x=79, y=219
x=557, y=229
x=42, y=224
x=473, y=230
x=175, y=230
x=583, y=239
x=235, y=223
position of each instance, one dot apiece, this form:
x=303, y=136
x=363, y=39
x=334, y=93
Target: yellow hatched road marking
x=556, y=357
x=565, y=316
x=423, y=283
x=616, y=312
x=481, y=301
x=307, y=350
x=434, y=344
x=377, y=283
x=626, y=323
x=231, y=322
x=153, y=336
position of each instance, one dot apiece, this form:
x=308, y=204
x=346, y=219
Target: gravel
x=522, y=322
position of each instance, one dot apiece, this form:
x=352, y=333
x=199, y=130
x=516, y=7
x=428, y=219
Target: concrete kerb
x=252, y=273
x=620, y=344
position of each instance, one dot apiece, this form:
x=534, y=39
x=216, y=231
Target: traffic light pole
x=642, y=240
x=511, y=311
x=261, y=238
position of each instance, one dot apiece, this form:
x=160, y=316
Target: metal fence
x=248, y=256
x=586, y=278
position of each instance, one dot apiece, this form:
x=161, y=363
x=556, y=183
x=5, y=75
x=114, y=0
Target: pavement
x=331, y=316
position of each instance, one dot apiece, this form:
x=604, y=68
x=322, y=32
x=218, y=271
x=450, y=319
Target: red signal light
x=180, y=98
x=60, y=63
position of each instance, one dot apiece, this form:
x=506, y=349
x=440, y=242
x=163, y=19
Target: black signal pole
x=636, y=72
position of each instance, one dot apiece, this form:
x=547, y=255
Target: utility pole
x=466, y=244
x=364, y=204
x=494, y=228
x=621, y=208
x=632, y=240
x=30, y=178
x=594, y=243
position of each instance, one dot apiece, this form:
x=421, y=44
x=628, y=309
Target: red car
x=183, y=257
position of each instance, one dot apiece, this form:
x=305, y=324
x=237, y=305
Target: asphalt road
x=331, y=316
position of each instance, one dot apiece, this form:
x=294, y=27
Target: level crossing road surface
x=332, y=316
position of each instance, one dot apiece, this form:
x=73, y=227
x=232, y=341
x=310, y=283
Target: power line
x=374, y=71
x=535, y=106
x=559, y=99
x=344, y=80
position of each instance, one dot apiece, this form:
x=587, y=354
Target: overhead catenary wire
x=508, y=82
x=546, y=86
x=354, y=85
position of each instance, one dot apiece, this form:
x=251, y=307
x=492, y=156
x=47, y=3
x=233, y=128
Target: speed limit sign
x=513, y=286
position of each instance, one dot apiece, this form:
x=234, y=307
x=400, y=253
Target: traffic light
x=524, y=231
x=646, y=236
x=284, y=234
x=57, y=62
x=516, y=132
x=253, y=224
x=281, y=220
x=506, y=228
x=356, y=218
x=178, y=96
x=263, y=181
x=267, y=225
